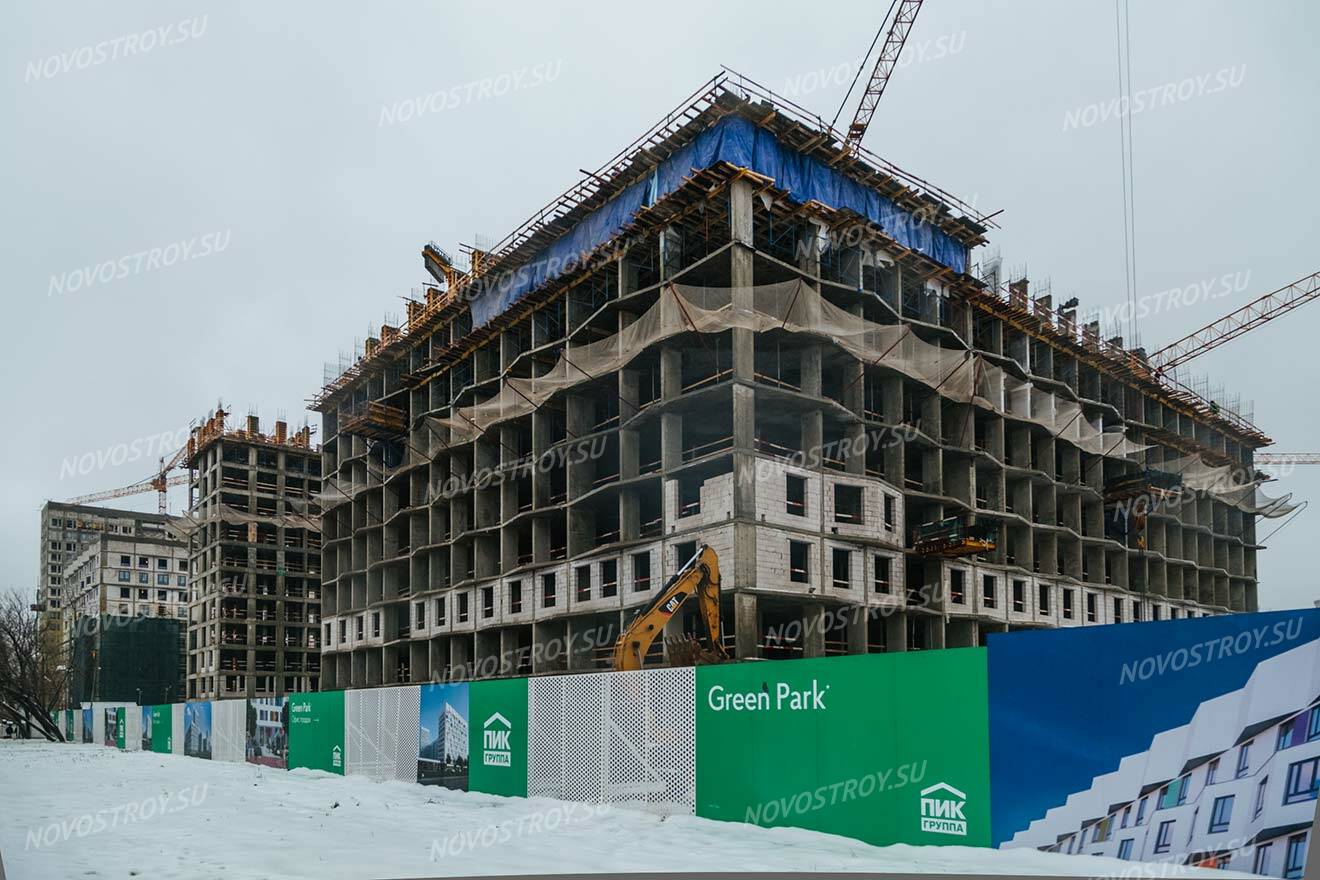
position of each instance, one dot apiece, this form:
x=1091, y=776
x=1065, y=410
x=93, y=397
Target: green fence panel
x=316, y=731
x=885, y=748
x=162, y=729
x=497, y=737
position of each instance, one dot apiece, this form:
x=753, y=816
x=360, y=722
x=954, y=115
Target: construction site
x=746, y=331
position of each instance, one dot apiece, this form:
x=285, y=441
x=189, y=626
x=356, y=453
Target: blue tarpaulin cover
x=740, y=142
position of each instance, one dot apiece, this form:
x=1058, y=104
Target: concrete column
x=856, y=628
x=508, y=651
x=671, y=441
x=813, y=630
x=896, y=632
x=746, y=626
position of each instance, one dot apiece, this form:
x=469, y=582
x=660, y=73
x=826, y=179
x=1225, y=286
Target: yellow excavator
x=699, y=579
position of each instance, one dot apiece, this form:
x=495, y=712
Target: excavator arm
x=699, y=579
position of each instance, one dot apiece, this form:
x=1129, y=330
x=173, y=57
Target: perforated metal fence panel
x=228, y=730
x=176, y=722
x=381, y=727
x=133, y=729
x=615, y=737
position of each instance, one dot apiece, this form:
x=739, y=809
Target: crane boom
x=1274, y=458
x=905, y=14
x=138, y=488
x=1234, y=324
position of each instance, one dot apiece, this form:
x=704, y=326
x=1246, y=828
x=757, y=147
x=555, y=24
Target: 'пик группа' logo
x=942, y=810
x=495, y=742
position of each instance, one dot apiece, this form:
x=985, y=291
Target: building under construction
x=739, y=333
x=255, y=549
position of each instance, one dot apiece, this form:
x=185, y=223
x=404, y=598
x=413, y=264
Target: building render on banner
x=1234, y=788
x=792, y=355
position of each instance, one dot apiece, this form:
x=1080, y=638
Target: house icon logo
x=495, y=748
x=942, y=810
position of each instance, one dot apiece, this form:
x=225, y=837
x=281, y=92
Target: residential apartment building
x=254, y=545
x=1234, y=788
x=780, y=350
x=67, y=531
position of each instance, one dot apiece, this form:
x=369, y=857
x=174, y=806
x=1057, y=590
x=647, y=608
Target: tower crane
x=1236, y=323
x=904, y=14
x=161, y=482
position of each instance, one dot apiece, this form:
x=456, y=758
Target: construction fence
x=1157, y=741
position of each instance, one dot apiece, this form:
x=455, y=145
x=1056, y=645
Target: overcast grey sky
x=280, y=146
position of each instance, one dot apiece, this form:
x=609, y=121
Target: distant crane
x=904, y=14
x=161, y=482
x=1236, y=323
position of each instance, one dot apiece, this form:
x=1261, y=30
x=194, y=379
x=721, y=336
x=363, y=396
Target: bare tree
x=32, y=682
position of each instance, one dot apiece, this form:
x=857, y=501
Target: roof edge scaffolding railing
x=632, y=162
x=1234, y=324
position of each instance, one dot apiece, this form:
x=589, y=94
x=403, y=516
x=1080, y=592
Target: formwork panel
x=615, y=737
x=381, y=726
x=228, y=730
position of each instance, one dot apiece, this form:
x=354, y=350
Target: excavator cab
x=699, y=580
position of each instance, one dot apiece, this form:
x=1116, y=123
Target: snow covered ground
x=88, y=811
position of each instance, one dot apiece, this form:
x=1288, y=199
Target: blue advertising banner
x=1185, y=741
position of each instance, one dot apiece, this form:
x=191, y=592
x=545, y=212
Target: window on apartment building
x=609, y=578
x=162, y=595
x=361, y=627
x=375, y=624
x=1090, y=608
x=848, y=504
x=1164, y=836
x=1141, y=811
x=1155, y=612
x=988, y=597
x=462, y=607
x=799, y=562
x=142, y=594
x=144, y=562
x=1127, y=816
x=125, y=576
x=162, y=563
x=440, y=611
x=343, y=631
x=182, y=580
x=1211, y=770
x=487, y=602
x=889, y=512
x=683, y=553
x=842, y=565
x=162, y=580
x=548, y=590
x=1019, y=595
x=641, y=572
x=1260, y=797
x=1221, y=814
x=689, y=497
x=144, y=577
x=1295, y=863
x=328, y=634
x=183, y=565
x=957, y=586
x=419, y=615
x=515, y=597
x=1303, y=782
x=795, y=489
x=1174, y=614
x=1244, y=760
x=882, y=567
x=125, y=560
x=583, y=575
x=1125, y=849
x=124, y=593
x=1261, y=863
x=1118, y=611
x=1313, y=725
x=1043, y=598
